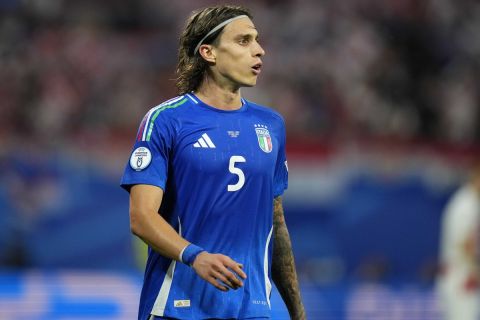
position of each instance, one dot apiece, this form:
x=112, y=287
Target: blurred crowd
x=75, y=72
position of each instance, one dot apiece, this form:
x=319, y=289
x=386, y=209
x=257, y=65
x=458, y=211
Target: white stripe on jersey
x=161, y=301
x=192, y=98
x=152, y=111
x=268, y=284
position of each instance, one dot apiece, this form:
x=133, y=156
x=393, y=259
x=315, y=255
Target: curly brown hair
x=191, y=66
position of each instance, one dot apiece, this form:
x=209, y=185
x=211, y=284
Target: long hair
x=191, y=67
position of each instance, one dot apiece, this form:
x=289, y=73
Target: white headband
x=215, y=29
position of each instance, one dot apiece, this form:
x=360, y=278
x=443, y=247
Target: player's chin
x=250, y=82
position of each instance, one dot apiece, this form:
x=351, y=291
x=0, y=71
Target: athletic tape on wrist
x=224, y=23
x=189, y=253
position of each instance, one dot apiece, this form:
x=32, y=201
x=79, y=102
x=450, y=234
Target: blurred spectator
x=459, y=282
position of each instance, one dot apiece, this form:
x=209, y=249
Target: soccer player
x=459, y=281
x=206, y=176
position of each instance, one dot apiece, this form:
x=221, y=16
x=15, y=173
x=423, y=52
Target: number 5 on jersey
x=237, y=171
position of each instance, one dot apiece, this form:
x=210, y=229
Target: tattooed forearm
x=283, y=265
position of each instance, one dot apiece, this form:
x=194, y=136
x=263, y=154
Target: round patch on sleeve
x=140, y=159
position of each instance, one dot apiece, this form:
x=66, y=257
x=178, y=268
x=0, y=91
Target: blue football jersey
x=220, y=171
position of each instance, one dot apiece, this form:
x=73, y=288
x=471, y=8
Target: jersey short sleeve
x=280, y=179
x=148, y=163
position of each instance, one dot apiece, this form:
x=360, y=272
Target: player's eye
x=244, y=41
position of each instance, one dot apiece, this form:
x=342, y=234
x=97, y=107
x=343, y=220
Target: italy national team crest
x=264, y=139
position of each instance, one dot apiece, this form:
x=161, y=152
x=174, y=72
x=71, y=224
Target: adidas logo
x=204, y=142
x=181, y=303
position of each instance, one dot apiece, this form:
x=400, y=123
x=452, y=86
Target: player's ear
x=207, y=53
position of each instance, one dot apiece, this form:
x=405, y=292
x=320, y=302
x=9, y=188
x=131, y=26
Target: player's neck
x=219, y=97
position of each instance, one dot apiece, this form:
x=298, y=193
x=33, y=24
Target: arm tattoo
x=283, y=265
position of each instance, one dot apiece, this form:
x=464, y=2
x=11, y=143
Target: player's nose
x=258, y=51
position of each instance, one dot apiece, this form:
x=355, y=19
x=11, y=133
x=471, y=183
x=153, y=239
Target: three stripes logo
x=204, y=142
x=181, y=303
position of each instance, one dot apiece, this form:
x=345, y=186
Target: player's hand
x=219, y=270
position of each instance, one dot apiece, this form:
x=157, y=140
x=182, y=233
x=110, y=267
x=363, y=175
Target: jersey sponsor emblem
x=204, y=142
x=264, y=139
x=181, y=303
x=140, y=158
